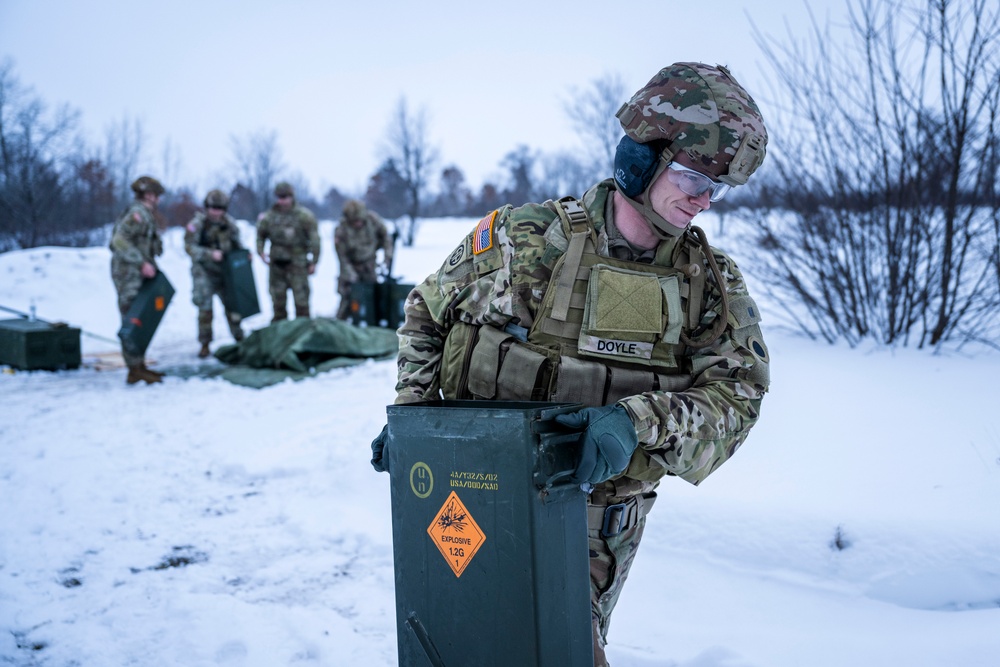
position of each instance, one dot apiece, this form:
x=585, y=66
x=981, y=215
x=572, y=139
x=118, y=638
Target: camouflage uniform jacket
x=356, y=246
x=293, y=234
x=202, y=236
x=135, y=239
x=686, y=432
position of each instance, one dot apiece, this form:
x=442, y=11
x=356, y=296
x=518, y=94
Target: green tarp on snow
x=301, y=348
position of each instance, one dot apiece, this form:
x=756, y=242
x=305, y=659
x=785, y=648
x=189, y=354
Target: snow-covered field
x=201, y=523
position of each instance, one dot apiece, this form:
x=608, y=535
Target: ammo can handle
x=558, y=453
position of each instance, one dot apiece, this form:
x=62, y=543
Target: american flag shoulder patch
x=482, y=238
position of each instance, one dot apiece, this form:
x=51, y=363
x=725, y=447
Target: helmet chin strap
x=662, y=229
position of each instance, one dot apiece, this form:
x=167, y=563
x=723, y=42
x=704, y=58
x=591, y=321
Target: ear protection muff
x=635, y=165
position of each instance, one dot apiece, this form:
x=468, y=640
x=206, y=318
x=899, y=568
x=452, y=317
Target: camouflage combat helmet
x=217, y=199
x=144, y=184
x=700, y=110
x=284, y=189
x=354, y=210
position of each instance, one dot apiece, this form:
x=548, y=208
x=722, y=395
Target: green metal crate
x=379, y=304
x=34, y=345
x=145, y=313
x=239, y=288
x=489, y=542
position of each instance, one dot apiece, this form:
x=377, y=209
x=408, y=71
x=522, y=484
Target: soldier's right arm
x=234, y=233
x=192, y=237
x=421, y=341
x=347, y=271
x=311, y=228
x=383, y=239
x=129, y=229
x=262, y=232
x=467, y=289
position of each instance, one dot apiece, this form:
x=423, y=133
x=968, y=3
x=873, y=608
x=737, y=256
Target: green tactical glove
x=607, y=441
x=379, y=462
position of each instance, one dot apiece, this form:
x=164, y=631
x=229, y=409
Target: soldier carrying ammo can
x=359, y=236
x=617, y=302
x=207, y=238
x=135, y=245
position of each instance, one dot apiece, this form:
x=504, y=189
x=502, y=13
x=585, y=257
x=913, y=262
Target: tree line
x=875, y=217
x=58, y=189
x=879, y=217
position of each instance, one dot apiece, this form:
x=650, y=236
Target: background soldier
x=208, y=237
x=615, y=302
x=135, y=244
x=294, y=251
x=359, y=235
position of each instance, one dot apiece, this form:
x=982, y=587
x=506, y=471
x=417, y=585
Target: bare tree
x=387, y=191
x=520, y=163
x=454, y=197
x=35, y=147
x=563, y=173
x=89, y=207
x=409, y=148
x=878, y=173
x=333, y=203
x=257, y=161
x=171, y=164
x=490, y=197
x=124, y=146
x=592, y=111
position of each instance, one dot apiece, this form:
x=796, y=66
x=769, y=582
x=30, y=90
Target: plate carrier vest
x=606, y=328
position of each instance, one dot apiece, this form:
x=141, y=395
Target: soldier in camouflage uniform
x=135, y=245
x=294, y=251
x=615, y=302
x=207, y=238
x=358, y=237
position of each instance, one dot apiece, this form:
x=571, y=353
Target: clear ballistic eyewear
x=695, y=183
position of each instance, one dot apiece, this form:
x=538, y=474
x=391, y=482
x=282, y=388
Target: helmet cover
x=144, y=184
x=703, y=111
x=354, y=210
x=216, y=199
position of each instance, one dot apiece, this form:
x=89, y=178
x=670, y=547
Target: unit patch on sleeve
x=456, y=257
x=482, y=238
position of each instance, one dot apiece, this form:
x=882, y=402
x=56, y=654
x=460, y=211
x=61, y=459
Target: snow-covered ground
x=201, y=523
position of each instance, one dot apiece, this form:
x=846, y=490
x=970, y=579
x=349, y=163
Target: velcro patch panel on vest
x=619, y=349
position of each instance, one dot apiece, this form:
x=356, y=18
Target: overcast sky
x=327, y=75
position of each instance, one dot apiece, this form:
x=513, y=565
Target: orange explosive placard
x=456, y=534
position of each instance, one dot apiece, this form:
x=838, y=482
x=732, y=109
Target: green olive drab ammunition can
x=489, y=536
x=35, y=345
x=363, y=305
x=379, y=304
x=239, y=290
x=144, y=315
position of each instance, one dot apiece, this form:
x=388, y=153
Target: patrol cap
x=703, y=111
x=144, y=184
x=284, y=189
